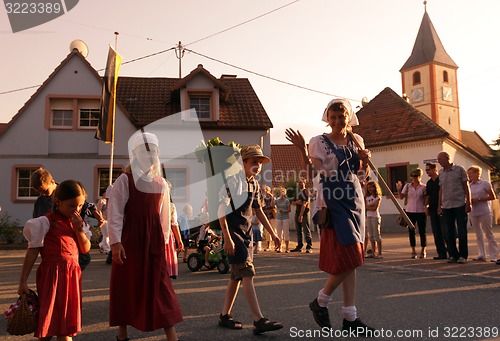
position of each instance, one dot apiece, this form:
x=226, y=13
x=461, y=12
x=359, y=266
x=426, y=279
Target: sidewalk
x=396, y=251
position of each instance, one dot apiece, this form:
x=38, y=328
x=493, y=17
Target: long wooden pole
x=112, y=156
x=384, y=184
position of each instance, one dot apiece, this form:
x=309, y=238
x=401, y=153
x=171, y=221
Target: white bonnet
x=352, y=118
x=140, y=138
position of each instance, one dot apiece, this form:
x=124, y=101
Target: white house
x=56, y=127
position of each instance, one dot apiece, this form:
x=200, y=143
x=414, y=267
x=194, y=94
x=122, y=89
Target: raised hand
x=295, y=137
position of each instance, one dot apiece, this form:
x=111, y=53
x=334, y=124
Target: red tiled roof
x=389, y=119
x=150, y=99
x=286, y=163
x=147, y=99
x=3, y=126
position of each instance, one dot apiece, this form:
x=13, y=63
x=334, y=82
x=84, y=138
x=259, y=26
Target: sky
x=347, y=48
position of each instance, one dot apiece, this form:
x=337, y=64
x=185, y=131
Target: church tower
x=429, y=79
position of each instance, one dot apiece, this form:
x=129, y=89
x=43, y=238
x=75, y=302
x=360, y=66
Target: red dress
x=141, y=293
x=59, y=281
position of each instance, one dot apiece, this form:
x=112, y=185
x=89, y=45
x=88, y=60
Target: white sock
x=323, y=299
x=349, y=313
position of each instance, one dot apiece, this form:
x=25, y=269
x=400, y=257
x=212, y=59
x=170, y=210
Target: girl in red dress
x=58, y=237
x=141, y=293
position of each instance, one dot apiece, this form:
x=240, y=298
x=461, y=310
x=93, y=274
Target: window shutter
x=410, y=169
x=382, y=171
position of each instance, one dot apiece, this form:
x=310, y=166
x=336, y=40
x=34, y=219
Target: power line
x=243, y=23
x=21, y=89
x=269, y=77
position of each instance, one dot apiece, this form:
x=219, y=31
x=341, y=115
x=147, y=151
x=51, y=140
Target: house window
x=89, y=118
x=445, y=76
x=394, y=173
x=178, y=178
x=202, y=105
x=73, y=113
x=103, y=174
x=62, y=119
x=24, y=190
x=416, y=78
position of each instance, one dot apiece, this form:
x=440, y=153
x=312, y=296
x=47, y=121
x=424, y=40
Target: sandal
x=264, y=325
x=227, y=321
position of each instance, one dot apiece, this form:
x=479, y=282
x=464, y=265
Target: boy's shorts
x=240, y=270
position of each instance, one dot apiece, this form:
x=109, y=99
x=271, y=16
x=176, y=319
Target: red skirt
x=335, y=258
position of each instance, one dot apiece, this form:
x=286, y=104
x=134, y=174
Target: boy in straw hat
x=236, y=227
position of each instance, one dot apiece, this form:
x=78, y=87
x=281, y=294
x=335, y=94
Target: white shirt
x=480, y=189
x=416, y=198
x=35, y=230
x=329, y=162
x=370, y=200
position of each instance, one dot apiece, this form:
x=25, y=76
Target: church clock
x=417, y=95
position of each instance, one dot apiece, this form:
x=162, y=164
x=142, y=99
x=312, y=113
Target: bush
x=9, y=230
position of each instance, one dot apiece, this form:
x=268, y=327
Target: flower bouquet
x=221, y=161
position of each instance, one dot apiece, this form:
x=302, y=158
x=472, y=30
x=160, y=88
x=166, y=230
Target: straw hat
x=253, y=150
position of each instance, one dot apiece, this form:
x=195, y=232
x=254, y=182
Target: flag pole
x=113, y=128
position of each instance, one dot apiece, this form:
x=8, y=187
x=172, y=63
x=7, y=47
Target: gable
x=150, y=99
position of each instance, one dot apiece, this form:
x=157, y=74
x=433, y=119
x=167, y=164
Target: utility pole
x=179, y=53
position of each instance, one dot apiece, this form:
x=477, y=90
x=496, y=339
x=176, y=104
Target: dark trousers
x=458, y=216
x=303, y=228
x=421, y=220
x=439, y=232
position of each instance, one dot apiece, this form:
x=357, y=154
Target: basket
x=24, y=319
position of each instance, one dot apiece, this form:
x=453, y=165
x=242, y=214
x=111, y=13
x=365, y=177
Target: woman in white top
x=283, y=218
x=336, y=157
x=480, y=215
x=415, y=208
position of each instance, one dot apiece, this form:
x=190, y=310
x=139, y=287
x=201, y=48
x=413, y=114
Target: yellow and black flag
x=105, y=129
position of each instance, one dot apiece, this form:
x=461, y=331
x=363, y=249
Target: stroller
x=217, y=258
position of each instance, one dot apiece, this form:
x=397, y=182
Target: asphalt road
x=402, y=298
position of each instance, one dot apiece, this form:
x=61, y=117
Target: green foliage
x=10, y=230
x=292, y=188
x=495, y=160
x=201, y=149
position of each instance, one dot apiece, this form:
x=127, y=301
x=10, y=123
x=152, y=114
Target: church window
x=416, y=78
x=445, y=76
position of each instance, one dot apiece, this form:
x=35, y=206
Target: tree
x=495, y=160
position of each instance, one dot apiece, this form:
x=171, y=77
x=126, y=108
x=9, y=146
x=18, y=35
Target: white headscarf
x=352, y=119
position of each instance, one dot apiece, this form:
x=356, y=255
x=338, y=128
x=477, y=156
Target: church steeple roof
x=428, y=47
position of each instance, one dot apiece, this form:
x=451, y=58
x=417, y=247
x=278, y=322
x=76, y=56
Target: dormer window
x=203, y=104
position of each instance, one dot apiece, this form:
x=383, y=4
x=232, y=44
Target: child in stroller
x=210, y=252
x=208, y=241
